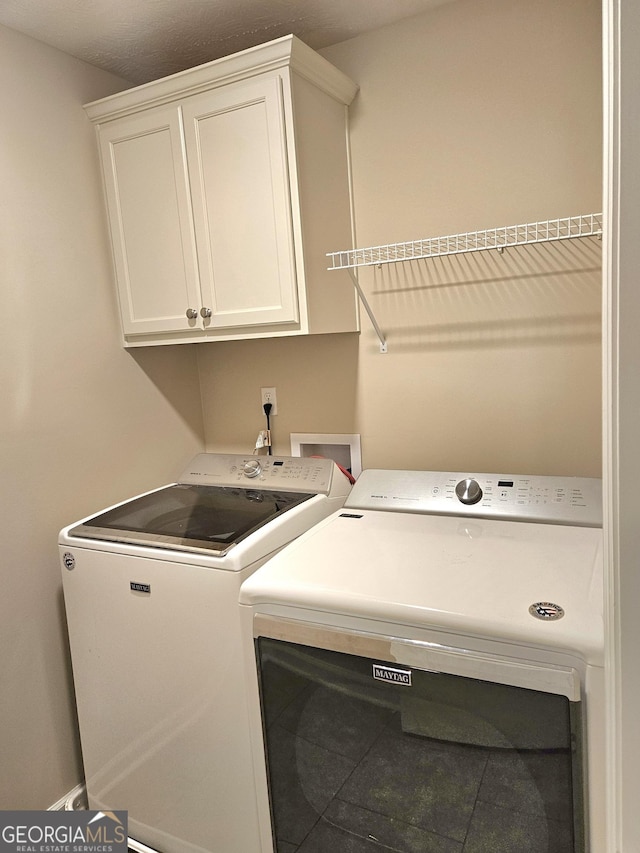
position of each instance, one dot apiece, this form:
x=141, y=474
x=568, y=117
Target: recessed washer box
x=343, y=448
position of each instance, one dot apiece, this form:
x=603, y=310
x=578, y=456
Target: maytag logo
x=387, y=673
x=140, y=587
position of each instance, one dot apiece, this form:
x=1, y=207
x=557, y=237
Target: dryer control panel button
x=468, y=491
x=252, y=468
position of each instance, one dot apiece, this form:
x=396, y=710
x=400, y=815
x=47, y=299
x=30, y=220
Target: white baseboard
x=79, y=791
x=66, y=801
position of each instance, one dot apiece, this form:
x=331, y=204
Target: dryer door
x=387, y=756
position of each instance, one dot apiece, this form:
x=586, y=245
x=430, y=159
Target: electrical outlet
x=268, y=395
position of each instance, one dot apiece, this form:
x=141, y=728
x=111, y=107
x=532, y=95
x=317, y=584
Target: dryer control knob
x=468, y=491
x=252, y=468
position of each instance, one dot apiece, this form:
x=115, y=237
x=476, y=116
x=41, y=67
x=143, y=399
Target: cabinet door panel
x=239, y=187
x=150, y=219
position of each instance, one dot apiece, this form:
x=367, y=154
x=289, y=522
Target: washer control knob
x=252, y=468
x=468, y=491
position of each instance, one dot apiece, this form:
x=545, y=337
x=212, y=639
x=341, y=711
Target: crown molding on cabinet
x=285, y=52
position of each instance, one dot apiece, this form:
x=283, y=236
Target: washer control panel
x=552, y=500
x=290, y=473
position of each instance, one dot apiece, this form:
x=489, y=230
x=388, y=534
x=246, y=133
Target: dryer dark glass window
x=209, y=518
x=443, y=765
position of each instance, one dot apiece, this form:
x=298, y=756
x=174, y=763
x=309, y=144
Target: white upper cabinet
x=150, y=217
x=237, y=156
x=226, y=186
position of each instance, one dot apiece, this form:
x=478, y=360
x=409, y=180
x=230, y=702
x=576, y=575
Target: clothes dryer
x=430, y=669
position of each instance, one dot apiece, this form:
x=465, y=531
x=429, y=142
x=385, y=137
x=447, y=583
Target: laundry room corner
x=463, y=120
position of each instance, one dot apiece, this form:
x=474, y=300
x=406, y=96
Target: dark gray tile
x=304, y=779
x=429, y=785
x=494, y=829
x=532, y=783
x=446, y=707
x=280, y=688
x=336, y=721
x=325, y=837
x=348, y=829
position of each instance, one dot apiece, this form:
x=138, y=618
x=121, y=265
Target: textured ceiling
x=142, y=40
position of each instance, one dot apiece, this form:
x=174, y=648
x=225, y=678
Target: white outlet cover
x=269, y=395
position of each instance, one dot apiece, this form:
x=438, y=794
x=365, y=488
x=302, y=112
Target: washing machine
x=428, y=670
x=151, y=595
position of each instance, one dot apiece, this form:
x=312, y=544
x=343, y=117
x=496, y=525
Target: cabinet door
x=150, y=217
x=237, y=155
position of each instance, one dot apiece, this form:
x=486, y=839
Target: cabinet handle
x=191, y=314
x=205, y=312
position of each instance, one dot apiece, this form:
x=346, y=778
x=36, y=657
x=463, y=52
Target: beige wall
x=84, y=423
x=477, y=114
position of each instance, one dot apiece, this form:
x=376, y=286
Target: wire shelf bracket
x=367, y=308
x=508, y=236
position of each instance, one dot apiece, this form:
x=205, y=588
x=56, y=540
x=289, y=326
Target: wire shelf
x=569, y=228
